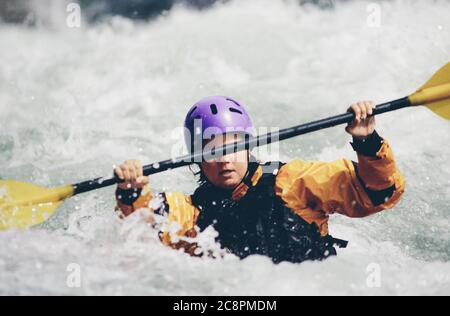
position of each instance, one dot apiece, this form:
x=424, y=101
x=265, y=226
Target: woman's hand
x=132, y=173
x=364, y=124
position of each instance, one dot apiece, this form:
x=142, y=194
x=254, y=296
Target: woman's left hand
x=364, y=124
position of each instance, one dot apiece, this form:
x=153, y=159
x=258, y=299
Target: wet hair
x=200, y=175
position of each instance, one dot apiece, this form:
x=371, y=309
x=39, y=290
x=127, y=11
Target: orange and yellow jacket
x=313, y=190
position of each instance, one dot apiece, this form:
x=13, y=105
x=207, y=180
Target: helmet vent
x=214, y=110
x=235, y=111
x=231, y=100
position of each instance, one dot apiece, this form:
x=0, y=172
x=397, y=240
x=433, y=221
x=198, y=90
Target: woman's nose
x=225, y=159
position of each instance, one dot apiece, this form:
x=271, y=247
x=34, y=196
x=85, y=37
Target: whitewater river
x=74, y=102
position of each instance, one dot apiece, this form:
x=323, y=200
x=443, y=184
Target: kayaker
x=280, y=210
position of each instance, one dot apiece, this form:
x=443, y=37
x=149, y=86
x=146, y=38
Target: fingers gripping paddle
x=23, y=205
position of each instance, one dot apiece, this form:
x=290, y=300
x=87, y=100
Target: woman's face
x=226, y=172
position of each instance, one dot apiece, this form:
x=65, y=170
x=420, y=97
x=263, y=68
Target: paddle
x=23, y=205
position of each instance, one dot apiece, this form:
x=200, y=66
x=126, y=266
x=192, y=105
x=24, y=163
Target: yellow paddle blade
x=435, y=94
x=23, y=205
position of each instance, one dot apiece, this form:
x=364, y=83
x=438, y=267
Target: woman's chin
x=228, y=184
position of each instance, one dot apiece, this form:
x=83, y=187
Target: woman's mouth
x=226, y=173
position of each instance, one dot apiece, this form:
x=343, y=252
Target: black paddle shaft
x=243, y=145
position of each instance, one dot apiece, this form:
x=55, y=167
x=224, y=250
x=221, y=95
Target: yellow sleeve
x=329, y=188
x=380, y=172
x=142, y=201
x=180, y=206
x=182, y=217
x=182, y=214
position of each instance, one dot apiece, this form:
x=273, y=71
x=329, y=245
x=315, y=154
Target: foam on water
x=74, y=102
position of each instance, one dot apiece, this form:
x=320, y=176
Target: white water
x=74, y=102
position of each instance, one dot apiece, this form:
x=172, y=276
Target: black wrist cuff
x=369, y=146
x=129, y=196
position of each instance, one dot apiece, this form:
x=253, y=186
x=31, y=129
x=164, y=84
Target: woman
x=277, y=210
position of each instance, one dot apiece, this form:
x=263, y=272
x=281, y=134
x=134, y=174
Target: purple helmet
x=214, y=116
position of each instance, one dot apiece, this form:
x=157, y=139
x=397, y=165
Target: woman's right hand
x=132, y=173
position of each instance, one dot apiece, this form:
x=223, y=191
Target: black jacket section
x=260, y=223
x=128, y=197
x=369, y=146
